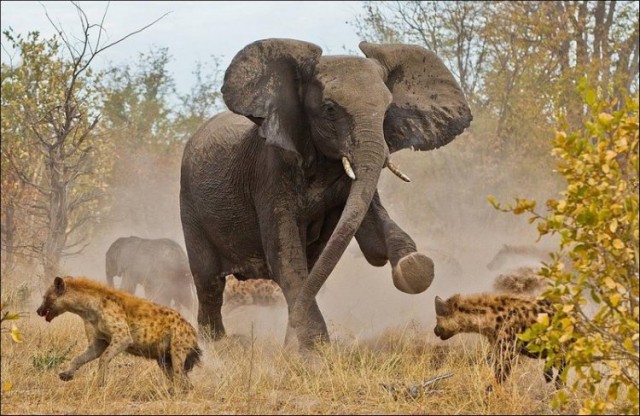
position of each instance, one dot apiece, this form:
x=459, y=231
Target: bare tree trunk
x=58, y=220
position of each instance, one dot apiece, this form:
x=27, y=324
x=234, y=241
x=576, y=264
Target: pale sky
x=194, y=30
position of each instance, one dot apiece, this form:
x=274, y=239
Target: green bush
x=595, y=326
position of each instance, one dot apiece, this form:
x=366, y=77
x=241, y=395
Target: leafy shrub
x=595, y=326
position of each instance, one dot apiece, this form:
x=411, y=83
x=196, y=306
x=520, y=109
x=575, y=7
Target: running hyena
x=499, y=317
x=116, y=321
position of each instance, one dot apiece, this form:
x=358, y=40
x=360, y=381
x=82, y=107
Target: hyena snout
x=442, y=334
x=47, y=312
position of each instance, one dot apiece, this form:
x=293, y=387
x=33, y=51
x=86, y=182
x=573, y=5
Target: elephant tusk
x=393, y=168
x=347, y=168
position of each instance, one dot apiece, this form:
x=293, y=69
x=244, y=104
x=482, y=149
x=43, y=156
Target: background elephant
x=159, y=265
x=280, y=185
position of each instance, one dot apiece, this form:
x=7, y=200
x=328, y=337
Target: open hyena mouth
x=48, y=313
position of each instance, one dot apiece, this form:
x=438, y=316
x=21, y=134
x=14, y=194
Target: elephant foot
x=413, y=273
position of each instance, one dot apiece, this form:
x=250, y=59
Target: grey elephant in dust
x=160, y=266
x=279, y=185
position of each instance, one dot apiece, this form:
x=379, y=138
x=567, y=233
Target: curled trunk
x=369, y=159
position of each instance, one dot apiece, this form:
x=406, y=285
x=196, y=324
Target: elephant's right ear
x=429, y=108
x=263, y=83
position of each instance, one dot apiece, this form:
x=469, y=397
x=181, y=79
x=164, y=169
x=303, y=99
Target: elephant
x=278, y=185
x=159, y=265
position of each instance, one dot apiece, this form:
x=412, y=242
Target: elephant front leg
x=282, y=241
x=381, y=239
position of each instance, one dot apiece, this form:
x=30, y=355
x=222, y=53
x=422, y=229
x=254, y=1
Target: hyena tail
x=193, y=359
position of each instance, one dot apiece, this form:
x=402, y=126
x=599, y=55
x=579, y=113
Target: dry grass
x=256, y=375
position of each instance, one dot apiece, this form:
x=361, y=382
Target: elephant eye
x=329, y=108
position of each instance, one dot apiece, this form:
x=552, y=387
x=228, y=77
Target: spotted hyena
x=499, y=317
x=116, y=321
x=261, y=292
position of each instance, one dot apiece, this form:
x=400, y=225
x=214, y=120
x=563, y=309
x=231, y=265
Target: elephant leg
x=381, y=239
x=206, y=271
x=128, y=283
x=282, y=241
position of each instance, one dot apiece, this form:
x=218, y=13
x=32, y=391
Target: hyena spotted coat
x=260, y=292
x=499, y=317
x=116, y=321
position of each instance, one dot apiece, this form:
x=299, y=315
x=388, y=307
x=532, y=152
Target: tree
x=52, y=101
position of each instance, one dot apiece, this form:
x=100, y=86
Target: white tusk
x=393, y=168
x=347, y=168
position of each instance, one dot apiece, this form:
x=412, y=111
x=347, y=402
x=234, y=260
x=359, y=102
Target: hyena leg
x=559, y=382
x=93, y=351
x=548, y=374
x=166, y=365
x=120, y=341
x=178, y=352
x=504, y=356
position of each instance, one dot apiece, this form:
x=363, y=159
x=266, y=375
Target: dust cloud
x=445, y=212
x=144, y=204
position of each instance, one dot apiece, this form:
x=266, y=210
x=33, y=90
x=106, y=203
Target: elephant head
x=350, y=109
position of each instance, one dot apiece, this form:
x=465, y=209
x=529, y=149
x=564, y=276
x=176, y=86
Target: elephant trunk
x=369, y=158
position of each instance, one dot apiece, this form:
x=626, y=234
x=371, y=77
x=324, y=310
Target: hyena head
x=52, y=301
x=447, y=325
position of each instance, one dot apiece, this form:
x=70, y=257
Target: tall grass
x=247, y=374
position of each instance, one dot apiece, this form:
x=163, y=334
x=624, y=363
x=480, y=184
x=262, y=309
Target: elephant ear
x=429, y=108
x=263, y=83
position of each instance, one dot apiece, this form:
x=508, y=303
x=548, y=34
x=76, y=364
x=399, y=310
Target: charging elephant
x=160, y=266
x=279, y=185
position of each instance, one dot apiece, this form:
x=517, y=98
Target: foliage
x=6, y=315
x=595, y=326
x=53, y=357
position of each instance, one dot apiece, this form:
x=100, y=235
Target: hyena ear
x=441, y=307
x=60, y=285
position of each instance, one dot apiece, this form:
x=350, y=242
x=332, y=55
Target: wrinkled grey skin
x=263, y=189
x=159, y=265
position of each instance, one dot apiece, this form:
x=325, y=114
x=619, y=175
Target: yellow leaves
x=617, y=243
x=605, y=118
x=561, y=206
x=16, y=336
x=7, y=386
x=629, y=345
x=613, y=226
x=615, y=299
x=609, y=155
x=543, y=318
x=610, y=283
x=561, y=137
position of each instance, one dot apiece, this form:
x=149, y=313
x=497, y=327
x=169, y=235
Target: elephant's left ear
x=429, y=108
x=263, y=83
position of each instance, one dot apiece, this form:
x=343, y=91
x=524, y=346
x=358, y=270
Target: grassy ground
x=247, y=374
